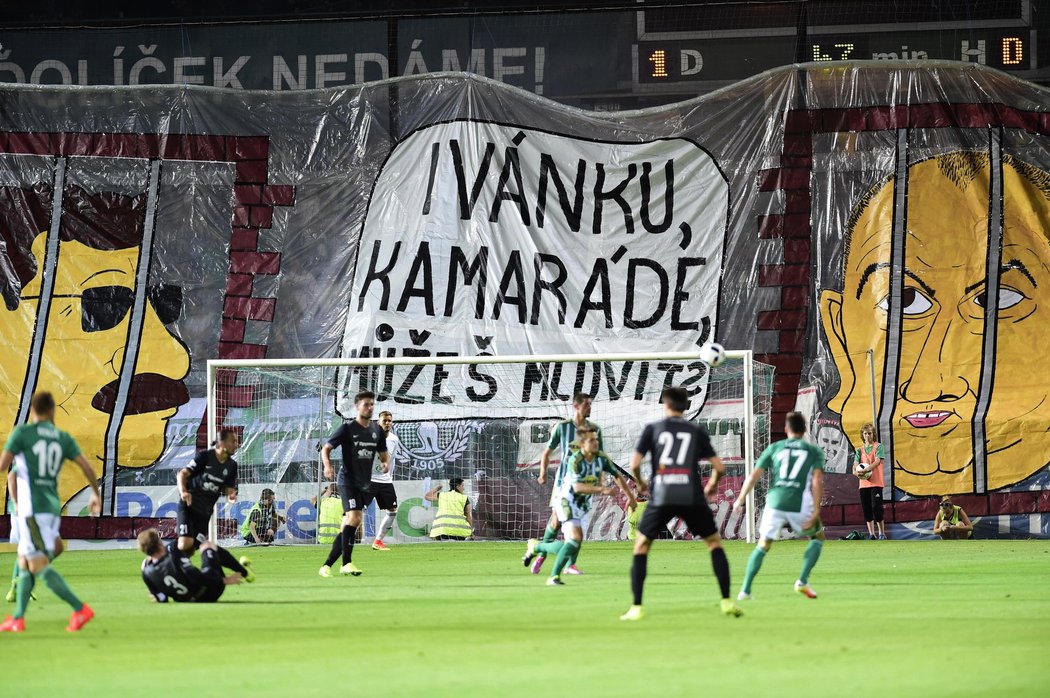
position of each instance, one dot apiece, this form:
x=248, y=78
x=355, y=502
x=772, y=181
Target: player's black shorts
x=385, y=495
x=356, y=499
x=213, y=576
x=191, y=523
x=698, y=519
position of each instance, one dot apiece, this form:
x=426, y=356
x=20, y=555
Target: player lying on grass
x=583, y=480
x=169, y=573
x=797, y=470
x=39, y=450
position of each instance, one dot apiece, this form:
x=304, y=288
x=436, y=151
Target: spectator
x=951, y=522
x=261, y=524
x=868, y=469
x=453, y=520
x=329, y=514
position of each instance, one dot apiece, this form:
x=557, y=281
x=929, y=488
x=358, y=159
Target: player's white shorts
x=567, y=511
x=37, y=534
x=773, y=521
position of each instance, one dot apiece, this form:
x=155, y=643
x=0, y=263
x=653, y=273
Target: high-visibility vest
x=246, y=526
x=329, y=519
x=450, y=520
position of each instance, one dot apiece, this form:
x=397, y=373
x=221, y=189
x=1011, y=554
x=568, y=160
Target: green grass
x=893, y=619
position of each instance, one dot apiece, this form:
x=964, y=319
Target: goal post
x=486, y=419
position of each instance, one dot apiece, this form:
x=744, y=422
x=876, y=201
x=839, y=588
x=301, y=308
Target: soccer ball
x=712, y=354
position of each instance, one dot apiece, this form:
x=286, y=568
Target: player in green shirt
x=584, y=473
x=796, y=468
x=563, y=436
x=38, y=451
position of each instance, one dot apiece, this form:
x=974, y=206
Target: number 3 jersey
x=174, y=576
x=790, y=463
x=39, y=450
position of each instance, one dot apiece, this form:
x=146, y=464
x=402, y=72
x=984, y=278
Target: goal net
x=485, y=419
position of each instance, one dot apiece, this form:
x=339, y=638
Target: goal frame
x=746, y=356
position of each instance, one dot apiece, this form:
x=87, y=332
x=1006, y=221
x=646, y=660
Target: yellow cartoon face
x=85, y=335
x=942, y=343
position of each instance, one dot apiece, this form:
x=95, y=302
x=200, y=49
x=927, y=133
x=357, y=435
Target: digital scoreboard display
x=1005, y=49
x=711, y=57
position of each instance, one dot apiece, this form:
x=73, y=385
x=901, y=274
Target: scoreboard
x=678, y=58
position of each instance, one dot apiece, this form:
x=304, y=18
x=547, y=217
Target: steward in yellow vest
x=329, y=515
x=453, y=520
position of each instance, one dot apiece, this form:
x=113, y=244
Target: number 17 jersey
x=790, y=463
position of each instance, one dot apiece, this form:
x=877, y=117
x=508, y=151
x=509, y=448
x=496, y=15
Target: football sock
x=349, y=536
x=15, y=572
x=754, y=564
x=26, y=582
x=388, y=521
x=57, y=584
x=638, y=569
x=809, y=559
x=549, y=534
x=720, y=563
x=568, y=552
x=227, y=560
x=549, y=548
x=336, y=551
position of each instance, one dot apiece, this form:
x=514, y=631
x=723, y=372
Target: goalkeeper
x=583, y=477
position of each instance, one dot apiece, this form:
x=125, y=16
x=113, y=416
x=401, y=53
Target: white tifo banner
x=495, y=239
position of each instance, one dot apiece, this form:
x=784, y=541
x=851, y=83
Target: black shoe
x=872, y=536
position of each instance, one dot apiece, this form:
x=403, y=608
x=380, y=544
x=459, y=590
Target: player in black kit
x=360, y=442
x=212, y=471
x=169, y=574
x=675, y=447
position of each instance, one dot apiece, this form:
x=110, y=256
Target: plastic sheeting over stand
x=876, y=231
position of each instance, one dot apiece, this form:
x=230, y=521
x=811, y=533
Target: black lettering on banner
x=647, y=197
x=535, y=374
x=633, y=288
x=381, y=275
x=426, y=291
x=596, y=378
x=477, y=268
x=614, y=194
x=643, y=378
x=388, y=375
x=440, y=374
x=476, y=375
x=615, y=387
x=556, y=380
x=402, y=396
x=669, y=370
x=513, y=274
x=692, y=383
x=554, y=286
x=573, y=213
x=680, y=296
x=511, y=167
x=599, y=275
x=435, y=151
x=466, y=206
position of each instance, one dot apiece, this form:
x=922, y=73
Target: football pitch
x=893, y=619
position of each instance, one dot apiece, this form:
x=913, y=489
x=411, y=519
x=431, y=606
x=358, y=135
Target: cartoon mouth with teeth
x=924, y=420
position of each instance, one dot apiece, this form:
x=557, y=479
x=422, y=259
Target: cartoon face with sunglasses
x=89, y=324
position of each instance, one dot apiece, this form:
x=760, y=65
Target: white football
x=712, y=354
